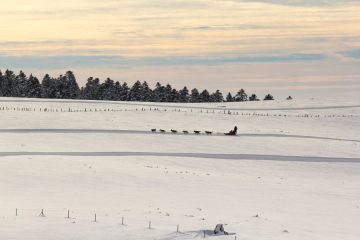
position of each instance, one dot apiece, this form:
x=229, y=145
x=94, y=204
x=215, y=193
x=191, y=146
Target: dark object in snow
x=197, y=132
x=186, y=132
x=174, y=131
x=42, y=213
x=153, y=130
x=219, y=230
x=232, y=132
x=162, y=130
x=208, y=132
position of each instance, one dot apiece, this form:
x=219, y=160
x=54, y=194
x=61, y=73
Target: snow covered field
x=293, y=172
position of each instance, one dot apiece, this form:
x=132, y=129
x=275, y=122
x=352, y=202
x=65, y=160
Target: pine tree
x=268, y=97
x=168, y=90
x=67, y=87
x=117, y=91
x=72, y=89
x=124, y=96
x=253, y=97
x=159, y=93
x=34, y=87
x=8, y=82
x=205, y=96
x=241, y=96
x=135, y=92
x=195, y=96
x=146, y=92
x=107, y=89
x=156, y=92
x=1, y=83
x=174, y=96
x=61, y=87
x=229, y=98
x=184, y=95
x=20, y=85
x=48, y=87
x=92, y=89
x=217, y=97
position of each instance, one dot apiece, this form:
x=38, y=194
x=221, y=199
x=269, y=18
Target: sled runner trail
x=162, y=132
x=190, y=155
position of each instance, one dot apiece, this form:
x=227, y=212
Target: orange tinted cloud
x=176, y=34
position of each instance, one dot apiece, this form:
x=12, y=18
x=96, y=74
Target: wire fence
x=96, y=218
x=179, y=110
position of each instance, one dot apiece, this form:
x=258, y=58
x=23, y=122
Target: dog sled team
x=230, y=133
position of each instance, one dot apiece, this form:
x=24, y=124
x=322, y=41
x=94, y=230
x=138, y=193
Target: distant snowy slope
x=292, y=172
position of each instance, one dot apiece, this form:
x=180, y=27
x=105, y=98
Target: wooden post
x=95, y=217
x=42, y=213
x=68, y=216
x=149, y=224
x=16, y=212
x=204, y=234
x=122, y=221
x=177, y=228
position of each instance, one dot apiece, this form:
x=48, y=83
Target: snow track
x=189, y=155
x=140, y=132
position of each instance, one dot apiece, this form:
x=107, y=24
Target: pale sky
x=302, y=48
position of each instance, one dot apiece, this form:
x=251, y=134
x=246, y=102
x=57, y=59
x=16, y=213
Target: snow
x=283, y=177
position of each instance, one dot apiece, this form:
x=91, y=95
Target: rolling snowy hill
x=293, y=171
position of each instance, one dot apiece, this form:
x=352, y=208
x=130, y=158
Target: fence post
x=16, y=212
x=122, y=221
x=42, y=213
x=149, y=224
x=68, y=214
x=95, y=217
x=177, y=228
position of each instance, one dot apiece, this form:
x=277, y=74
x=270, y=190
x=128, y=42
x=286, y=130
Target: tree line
x=66, y=87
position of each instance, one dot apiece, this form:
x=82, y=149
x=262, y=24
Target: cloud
x=307, y=3
x=55, y=62
x=126, y=36
x=355, y=53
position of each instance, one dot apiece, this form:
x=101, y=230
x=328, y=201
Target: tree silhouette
x=268, y=97
x=66, y=87
x=253, y=97
x=229, y=98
